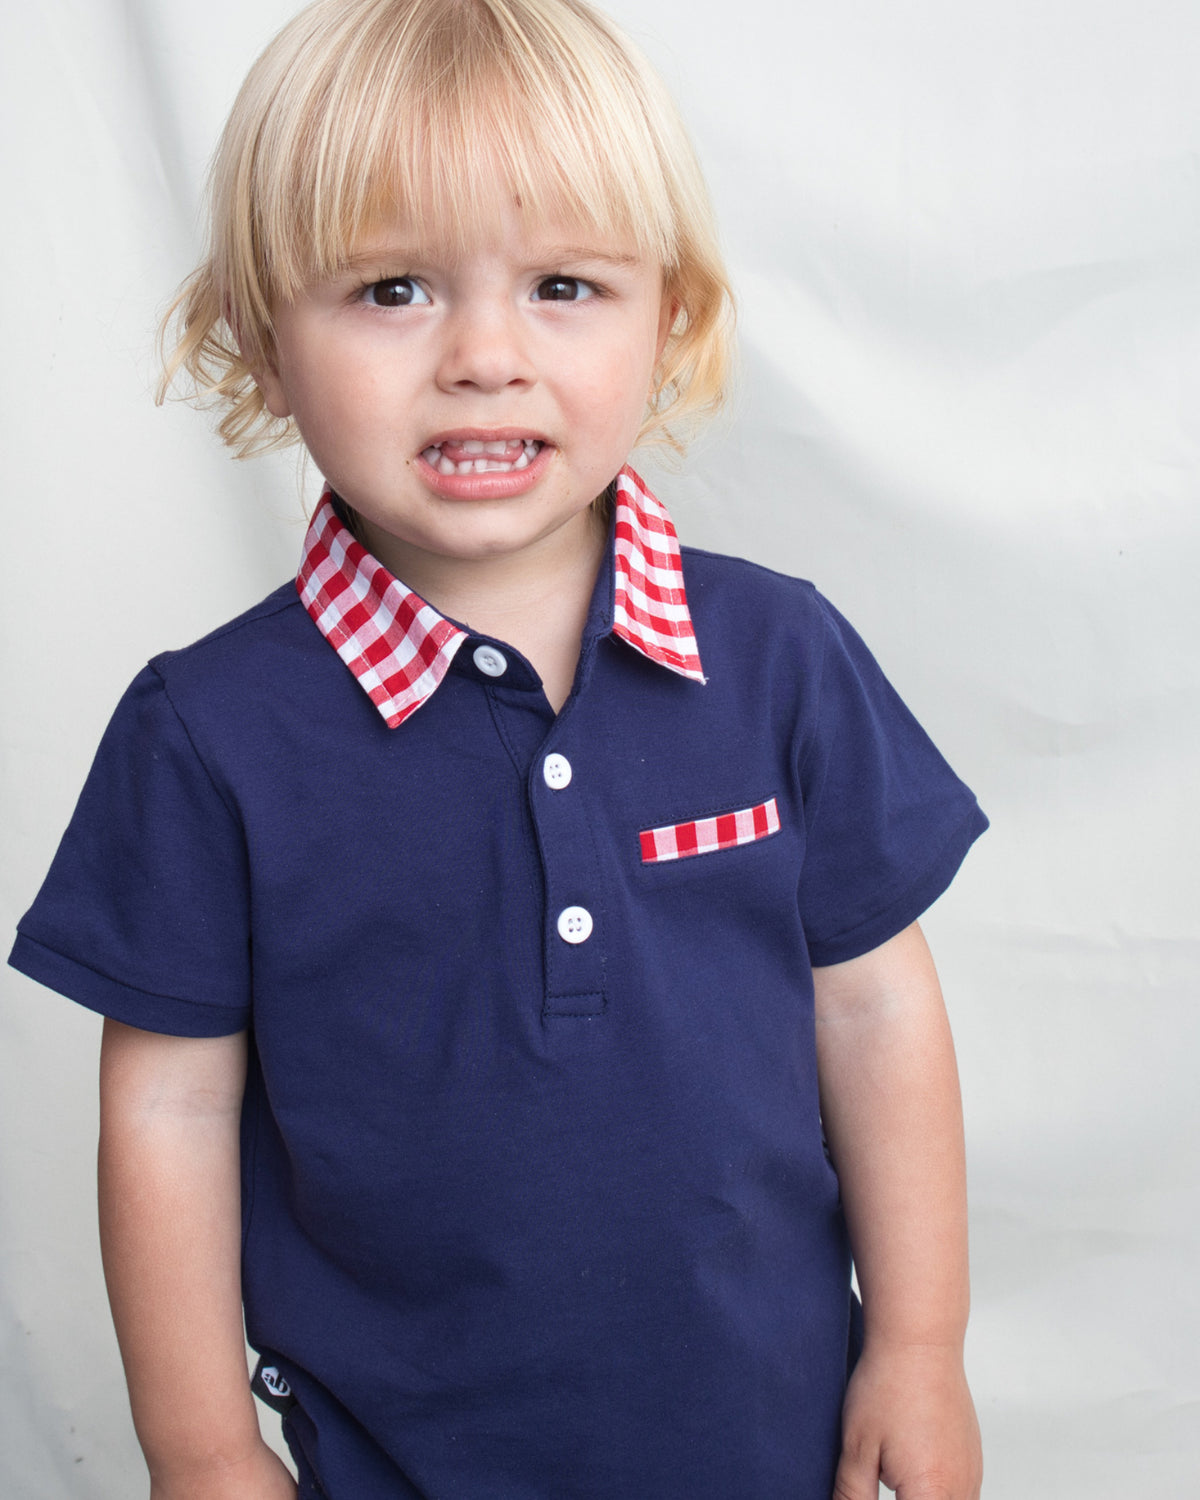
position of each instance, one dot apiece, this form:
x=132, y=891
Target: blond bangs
x=431, y=113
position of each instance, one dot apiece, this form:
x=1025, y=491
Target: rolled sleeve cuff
x=917, y=896
x=122, y=1002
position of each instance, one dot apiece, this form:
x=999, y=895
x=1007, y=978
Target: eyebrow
x=589, y=253
x=551, y=255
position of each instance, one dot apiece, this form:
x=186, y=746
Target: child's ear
x=260, y=362
x=275, y=399
x=667, y=314
x=267, y=379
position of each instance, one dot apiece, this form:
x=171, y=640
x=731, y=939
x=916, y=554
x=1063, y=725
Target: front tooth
x=472, y=445
x=499, y=448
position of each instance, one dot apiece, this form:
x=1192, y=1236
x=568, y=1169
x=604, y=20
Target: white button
x=490, y=661
x=556, y=769
x=575, y=924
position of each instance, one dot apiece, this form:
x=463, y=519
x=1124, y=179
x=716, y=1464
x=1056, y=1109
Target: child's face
x=539, y=346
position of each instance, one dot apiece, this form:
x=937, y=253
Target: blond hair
x=359, y=110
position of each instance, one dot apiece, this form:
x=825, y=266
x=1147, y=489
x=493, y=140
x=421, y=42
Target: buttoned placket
x=555, y=771
x=399, y=648
x=575, y=936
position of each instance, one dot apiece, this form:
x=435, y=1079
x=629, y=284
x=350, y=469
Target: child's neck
x=536, y=601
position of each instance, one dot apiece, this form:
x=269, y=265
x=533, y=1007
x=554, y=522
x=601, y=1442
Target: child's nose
x=485, y=349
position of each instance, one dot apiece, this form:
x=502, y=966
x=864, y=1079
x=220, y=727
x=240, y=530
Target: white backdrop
x=966, y=235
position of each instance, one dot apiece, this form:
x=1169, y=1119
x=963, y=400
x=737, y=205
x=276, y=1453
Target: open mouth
x=474, y=456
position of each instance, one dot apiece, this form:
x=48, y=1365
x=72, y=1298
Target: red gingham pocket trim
x=707, y=835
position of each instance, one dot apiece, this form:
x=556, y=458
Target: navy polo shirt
x=535, y=1200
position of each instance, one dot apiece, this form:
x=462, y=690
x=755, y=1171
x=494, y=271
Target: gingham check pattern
x=650, y=607
x=399, y=648
x=707, y=835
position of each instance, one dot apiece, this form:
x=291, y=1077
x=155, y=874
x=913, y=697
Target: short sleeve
x=144, y=913
x=887, y=821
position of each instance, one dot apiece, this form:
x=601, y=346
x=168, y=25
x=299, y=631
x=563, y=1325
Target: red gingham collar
x=399, y=648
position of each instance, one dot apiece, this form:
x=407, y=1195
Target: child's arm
x=890, y=1104
x=170, y=1230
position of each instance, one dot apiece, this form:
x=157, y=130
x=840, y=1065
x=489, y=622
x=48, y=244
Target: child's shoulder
x=226, y=677
x=268, y=619
x=748, y=614
x=731, y=571
x=747, y=596
x=276, y=623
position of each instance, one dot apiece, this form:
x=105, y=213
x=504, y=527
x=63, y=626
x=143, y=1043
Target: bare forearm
x=889, y=1098
x=170, y=1234
x=890, y=1102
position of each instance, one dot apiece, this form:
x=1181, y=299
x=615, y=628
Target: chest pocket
x=728, y=830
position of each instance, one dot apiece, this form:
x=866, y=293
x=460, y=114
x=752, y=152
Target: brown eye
x=394, y=291
x=562, y=289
